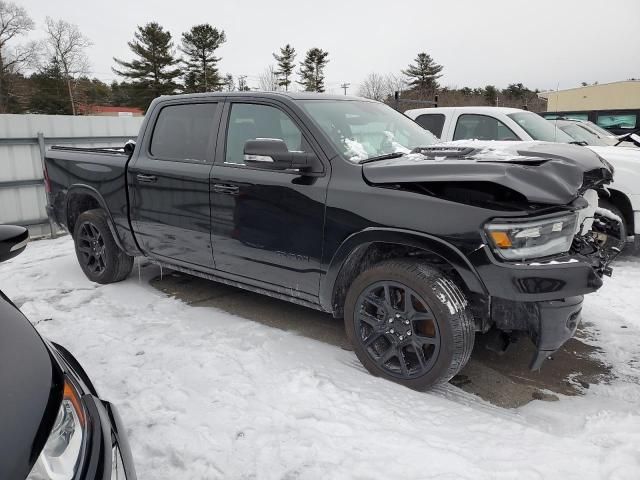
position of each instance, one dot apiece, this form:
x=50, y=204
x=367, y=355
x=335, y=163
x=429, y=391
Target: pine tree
x=286, y=65
x=154, y=72
x=424, y=74
x=312, y=70
x=122, y=94
x=92, y=92
x=517, y=91
x=490, y=95
x=50, y=95
x=199, y=45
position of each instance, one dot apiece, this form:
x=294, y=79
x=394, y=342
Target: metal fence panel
x=22, y=196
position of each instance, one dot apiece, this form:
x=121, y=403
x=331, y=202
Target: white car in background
x=501, y=123
x=592, y=134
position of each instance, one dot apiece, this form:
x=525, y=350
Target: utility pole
x=344, y=86
x=242, y=83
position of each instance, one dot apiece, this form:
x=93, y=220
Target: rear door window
x=184, y=132
x=434, y=122
x=482, y=127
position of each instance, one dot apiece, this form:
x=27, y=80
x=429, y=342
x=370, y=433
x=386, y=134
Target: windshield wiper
x=582, y=143
x=386, y=156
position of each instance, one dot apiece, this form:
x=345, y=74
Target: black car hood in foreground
x=31, y=387
x=545, y=173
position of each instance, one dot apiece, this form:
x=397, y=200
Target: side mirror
x=273, y=154
x=13, y=241
x=129, y=147
x=633, y=137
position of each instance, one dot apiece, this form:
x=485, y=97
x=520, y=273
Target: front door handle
x=225, y=188
x=142, y=178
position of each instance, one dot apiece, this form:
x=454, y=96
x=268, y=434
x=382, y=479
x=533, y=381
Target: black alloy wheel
x=91, y=248
x=100, y=258
x=409, y=323
x=398, y=329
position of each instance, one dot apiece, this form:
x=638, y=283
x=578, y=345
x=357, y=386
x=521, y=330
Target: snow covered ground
x=206, y=395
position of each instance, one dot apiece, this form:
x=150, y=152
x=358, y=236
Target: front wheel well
x=367, y=255
x=78, y=204
x=622, y=202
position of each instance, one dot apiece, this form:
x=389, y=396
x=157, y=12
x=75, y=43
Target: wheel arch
x=82, y=198
x=621, y=200
x=370, y=246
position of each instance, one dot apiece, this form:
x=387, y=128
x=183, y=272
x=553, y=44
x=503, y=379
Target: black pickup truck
x=344, y=205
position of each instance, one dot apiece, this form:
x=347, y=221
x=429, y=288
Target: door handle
x=225, y=188
x=142, y=178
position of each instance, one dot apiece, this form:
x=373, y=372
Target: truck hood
x=30, y=395
x=545, y=173
x=626, y=162
x=618, y=154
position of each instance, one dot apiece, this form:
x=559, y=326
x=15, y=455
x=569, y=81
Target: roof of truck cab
x=276, y=95
x=478, y=110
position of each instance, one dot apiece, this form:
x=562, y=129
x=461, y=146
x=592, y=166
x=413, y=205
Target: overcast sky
x=543, y=44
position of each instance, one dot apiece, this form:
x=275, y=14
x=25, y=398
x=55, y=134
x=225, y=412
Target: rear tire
x=613, y=242
x=99, y=256
x=417, y=343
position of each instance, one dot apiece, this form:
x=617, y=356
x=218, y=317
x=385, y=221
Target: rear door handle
x=142, y=178
x=225, y=188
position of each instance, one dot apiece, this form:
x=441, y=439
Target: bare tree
x=381, y=87
x=396, y=83
x=67, y=45
x=14, y=22
x=268, y=80
x=374, y=87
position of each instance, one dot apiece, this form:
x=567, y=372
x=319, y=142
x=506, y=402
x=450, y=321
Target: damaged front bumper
x=544, y=299
x=549, y=324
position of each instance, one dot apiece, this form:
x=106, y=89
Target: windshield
x=540, y=129
x=599, y=130
x=362, y=130
x=580, y=134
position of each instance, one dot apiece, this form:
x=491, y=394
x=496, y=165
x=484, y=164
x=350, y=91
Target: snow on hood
x=614, y=154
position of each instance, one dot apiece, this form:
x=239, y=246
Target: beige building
x=605, y=96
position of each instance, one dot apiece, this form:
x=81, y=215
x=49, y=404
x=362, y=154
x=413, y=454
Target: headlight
x=532, y=239
x=60, y=457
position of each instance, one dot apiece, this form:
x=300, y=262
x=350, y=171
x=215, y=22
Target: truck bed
x=100, y=171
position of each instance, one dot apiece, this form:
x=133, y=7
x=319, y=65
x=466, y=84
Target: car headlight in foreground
x=61, y=456
x=532, y=239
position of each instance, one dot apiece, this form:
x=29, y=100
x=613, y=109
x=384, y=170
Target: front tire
x=409, y=323
x=99, y=256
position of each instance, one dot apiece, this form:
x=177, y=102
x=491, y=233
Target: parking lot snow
x=207, y=395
